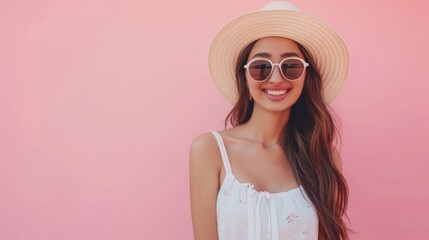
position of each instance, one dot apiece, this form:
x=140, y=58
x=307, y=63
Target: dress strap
x=223, y=153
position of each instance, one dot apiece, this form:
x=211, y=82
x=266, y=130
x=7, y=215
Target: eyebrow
x=264, y=54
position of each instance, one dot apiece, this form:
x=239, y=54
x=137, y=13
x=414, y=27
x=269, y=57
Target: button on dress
x=244, y=213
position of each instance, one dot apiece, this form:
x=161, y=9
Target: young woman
x=275, y=174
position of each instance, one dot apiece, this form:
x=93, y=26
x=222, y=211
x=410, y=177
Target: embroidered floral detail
x=305, y=232
x=226, y=193
x=243, y=201
x=243, y=197
x=292, y=218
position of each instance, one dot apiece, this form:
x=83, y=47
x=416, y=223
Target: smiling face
x=277, y=93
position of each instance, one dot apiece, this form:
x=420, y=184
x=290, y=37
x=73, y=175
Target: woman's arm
x=204, y=169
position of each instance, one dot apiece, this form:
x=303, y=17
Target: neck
x=266, y=126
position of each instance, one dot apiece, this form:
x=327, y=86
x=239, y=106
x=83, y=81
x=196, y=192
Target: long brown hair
x=308, y=144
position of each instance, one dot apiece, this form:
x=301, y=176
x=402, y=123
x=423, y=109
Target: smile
x=276, y=92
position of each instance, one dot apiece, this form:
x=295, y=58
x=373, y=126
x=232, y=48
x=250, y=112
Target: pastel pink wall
x=99, y=101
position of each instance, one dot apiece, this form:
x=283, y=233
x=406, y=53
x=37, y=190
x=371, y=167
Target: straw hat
x=282, y=19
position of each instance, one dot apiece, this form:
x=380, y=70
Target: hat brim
x=325, y=46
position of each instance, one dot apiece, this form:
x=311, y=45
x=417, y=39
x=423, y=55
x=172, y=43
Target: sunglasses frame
x=276, y=64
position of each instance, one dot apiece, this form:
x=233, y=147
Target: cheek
x=298, y=93
x=253, y=86
x=298, y=87
x=299, y=84
x=249, y=82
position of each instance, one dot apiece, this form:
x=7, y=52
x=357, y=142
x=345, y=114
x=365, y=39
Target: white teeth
x=276, y=92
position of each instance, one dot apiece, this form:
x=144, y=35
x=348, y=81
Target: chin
x=277, y=107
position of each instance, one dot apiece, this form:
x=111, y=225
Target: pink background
x=100, y=100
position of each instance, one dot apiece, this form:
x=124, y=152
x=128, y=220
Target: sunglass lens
x=292, y=69
x=260, y=69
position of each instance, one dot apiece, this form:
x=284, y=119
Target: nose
x=276, y=76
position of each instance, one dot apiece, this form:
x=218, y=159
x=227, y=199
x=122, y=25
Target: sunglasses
x=260, y=69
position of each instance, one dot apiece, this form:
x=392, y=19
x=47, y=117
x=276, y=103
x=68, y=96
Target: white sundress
x=246, y=214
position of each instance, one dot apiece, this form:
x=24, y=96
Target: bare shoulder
x=337, y=159
x=203, y=139
x=204, y=145
x=204, y=154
